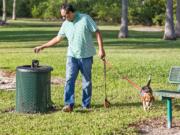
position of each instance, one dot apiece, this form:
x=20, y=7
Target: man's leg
x=85, y=67
x=72, y=70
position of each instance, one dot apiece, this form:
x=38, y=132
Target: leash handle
x=104, y=62
x=108, y=64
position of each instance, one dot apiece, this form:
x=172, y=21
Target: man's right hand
x=38, y=49
x=50, y=43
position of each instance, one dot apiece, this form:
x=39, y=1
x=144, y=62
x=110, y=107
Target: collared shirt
x=79, y=35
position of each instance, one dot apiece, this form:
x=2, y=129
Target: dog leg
x=144, y=105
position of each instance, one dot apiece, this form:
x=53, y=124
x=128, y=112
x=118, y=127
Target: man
x=78, y=29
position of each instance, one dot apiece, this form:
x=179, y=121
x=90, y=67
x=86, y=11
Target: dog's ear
x=149, y=81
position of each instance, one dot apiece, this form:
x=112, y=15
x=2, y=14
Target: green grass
x=143, y=53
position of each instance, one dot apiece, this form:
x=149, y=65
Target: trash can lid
x=29, y=68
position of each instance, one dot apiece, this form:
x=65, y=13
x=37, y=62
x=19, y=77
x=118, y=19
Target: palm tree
x=4, y=11
x=14, y=10
x=123, y=32
x=177, y=28
x=169, y=32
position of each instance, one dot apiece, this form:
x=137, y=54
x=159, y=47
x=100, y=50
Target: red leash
x=132, y=83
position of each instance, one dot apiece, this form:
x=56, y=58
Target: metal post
x=178, y=89
x=169, y=112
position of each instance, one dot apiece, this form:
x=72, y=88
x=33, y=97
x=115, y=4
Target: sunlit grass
x=137, y=57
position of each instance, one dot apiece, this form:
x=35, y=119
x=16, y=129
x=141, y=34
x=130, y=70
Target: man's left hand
x=101, y=53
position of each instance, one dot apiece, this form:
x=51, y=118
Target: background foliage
x=147, y=12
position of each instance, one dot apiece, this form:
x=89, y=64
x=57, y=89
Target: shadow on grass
x=12, y=110
x=4, y=68
x=143, y=44
x=124, y=104
x=132, y=34
x=116, y=105
x=136, y=40
x=29, y=35
x=32, y=23
x=8, y=110
x=95, y=107
x=177, y=107
x=22, y=36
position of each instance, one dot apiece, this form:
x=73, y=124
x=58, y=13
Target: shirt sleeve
x=91, y=24
x=61, y=32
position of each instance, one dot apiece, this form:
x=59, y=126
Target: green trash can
x=33, y=88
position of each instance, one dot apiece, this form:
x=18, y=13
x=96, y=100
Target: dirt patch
x=58, y=81
x=157, y=126
x=8, y=80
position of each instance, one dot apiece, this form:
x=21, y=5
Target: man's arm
x=50, y=43
x=101, y=52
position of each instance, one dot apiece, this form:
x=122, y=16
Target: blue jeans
x=73, y=66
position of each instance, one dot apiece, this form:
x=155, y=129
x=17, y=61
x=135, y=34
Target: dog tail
x=149, y=81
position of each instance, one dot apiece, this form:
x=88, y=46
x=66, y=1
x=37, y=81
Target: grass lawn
x=140, y=55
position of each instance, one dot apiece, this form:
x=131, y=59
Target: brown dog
x=147, y=96
x=146, y=93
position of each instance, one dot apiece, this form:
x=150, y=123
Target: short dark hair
x=68, y=7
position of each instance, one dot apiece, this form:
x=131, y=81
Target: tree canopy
x=147, y=12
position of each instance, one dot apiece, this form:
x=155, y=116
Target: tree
x=177, y=28
x=169, y=32
x=123, y=33
x=14, y=10
x=4, y=11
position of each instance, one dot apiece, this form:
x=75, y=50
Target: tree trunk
x=169, y=32
x=4, y=11
x=123, y=32
x=14, y=10
x=177, y=28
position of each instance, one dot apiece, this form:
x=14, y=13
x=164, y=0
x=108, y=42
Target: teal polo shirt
x=79, y=35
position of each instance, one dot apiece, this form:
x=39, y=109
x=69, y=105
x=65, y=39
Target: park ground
x=144, y=53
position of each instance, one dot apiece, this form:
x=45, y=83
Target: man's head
x=67, y=11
